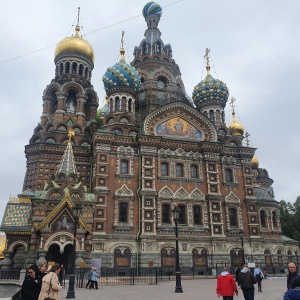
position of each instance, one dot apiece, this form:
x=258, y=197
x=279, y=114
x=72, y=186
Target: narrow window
x=81, y=70
x=197, y=215
x=165, y=214
x=182, y=217
x=117, y=104
x=130, y=105
x=124, y=167
x=194, y=172
x=74, y=68
x=179, y=170
x=232, y=217
x=274, y=219
x=228, y=175
x=263, y=219
x=212, y=115
x=164, y=169
x=123, y=212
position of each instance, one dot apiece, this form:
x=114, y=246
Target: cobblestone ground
x=203, y=289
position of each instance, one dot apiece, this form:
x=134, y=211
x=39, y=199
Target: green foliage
x=290, y=218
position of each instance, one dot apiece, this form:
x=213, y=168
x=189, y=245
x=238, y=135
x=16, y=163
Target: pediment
x=180, y=121
x=124, y=191
x=165, y=193
x=232, y=198
x=181, y=193
x=196, y=194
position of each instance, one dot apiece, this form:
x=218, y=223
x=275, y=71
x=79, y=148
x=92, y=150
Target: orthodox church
x=151, y=148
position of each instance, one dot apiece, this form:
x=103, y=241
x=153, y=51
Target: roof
x=262, y=193
x=17, y=215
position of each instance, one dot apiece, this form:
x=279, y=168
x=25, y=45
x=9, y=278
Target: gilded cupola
x=236, y=127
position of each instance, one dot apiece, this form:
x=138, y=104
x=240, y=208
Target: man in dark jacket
x=247, y=280
x=292, y=275
x=294, y=292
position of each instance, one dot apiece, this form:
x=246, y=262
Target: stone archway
x=55, y=254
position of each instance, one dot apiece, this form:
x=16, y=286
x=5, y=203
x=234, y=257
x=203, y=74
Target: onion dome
x=236, y=127
x=75, y=44
x=255, y=163
x=121, y=74
x=152, y=8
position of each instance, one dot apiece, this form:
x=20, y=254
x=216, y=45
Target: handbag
x=50, y=285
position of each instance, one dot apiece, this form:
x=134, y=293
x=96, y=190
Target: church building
x=128, y=164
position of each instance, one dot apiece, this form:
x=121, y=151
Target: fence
x=9, y=274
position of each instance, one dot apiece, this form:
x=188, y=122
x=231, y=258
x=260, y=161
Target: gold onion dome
x=236, y=127
x=75, y=44
x=255, y=163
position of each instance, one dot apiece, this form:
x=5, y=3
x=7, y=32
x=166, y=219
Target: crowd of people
x=227, y=287
x=42, y=282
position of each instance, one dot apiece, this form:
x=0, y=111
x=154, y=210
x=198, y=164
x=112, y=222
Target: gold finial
x=122, y=51
x=77, y=28
x=206, y=56
x=247, y=134
x=71, y=133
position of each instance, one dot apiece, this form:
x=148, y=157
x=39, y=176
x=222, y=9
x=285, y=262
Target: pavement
x=203, y=289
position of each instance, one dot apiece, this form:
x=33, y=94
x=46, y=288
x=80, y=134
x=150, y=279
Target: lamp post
x=242, y=242
x=178, y=287
x=71, y=290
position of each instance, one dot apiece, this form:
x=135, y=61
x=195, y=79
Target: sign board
x=251, y=265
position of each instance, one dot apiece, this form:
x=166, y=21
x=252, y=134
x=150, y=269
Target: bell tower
x=69, y=101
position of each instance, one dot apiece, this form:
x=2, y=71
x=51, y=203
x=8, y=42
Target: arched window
x=228, y=175
x=274, y=221
x=205, y=112
x=123, y=212
x=71, y=102
x=67, y=67
x=212, y=115
x=61, y=68
x=263, y=219
x=182, y=216
x=223, y=117
x=179, y=170
x=81, y=70
x=74, y=68
x=197, y=215
x=232, y=217
x=162, y=82
x=130, y=105
x=86, y=73
x=218, y=116
x=117, y=104
x=124, y=167
x=279, y=257
x=164, y=169
x=194, y=171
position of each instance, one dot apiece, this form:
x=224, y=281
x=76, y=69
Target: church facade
x=151, y=148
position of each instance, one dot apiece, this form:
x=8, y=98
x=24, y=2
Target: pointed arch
x=124, y=191
x=196, y=194
x=166, y=193
x=181, y=193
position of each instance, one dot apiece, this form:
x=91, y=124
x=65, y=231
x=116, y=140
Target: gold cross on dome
x=247, y=139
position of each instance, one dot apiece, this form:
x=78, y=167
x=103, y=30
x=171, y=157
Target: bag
x=48, y=298
x=262, y=275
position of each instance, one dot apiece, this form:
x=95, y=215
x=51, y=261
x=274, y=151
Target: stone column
x=61, y=102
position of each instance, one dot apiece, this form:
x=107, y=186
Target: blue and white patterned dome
x=152, y=8
x=121, y=75
x=210, y=89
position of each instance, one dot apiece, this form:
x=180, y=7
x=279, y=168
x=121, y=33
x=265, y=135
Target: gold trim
x=54, y=212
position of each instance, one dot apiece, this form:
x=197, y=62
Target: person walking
x=31, y=286
x=89, y=283
x=247, y=280
x=61, y=275
x=258, y=276
x=94, y=279
x=50, y=284
x=293, y=274
x=294, y=292
x=226, y=286
x=237, y=272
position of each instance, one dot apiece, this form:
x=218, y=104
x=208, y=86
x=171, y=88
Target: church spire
x=67, y=164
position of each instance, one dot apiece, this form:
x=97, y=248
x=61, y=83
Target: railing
x=9, y=274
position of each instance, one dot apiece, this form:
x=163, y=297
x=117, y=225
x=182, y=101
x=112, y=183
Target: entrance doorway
x=60, y=258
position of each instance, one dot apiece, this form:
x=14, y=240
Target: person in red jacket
x=226, y=285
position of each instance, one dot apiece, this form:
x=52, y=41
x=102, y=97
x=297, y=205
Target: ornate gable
x=181, y=193
x=232, y=198
x=124, y=191
x=180, y=121
x=166, y=193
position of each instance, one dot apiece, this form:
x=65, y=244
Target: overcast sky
x=255, y=48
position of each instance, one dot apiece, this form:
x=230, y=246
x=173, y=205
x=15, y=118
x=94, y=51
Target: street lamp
x=242, y=242
x=178, y=288
x=76, y=215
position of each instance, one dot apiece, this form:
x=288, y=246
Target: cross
x=231, y=103
x=206, y=56
x=247, y=139
x=78, y=15
x=122, y=40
